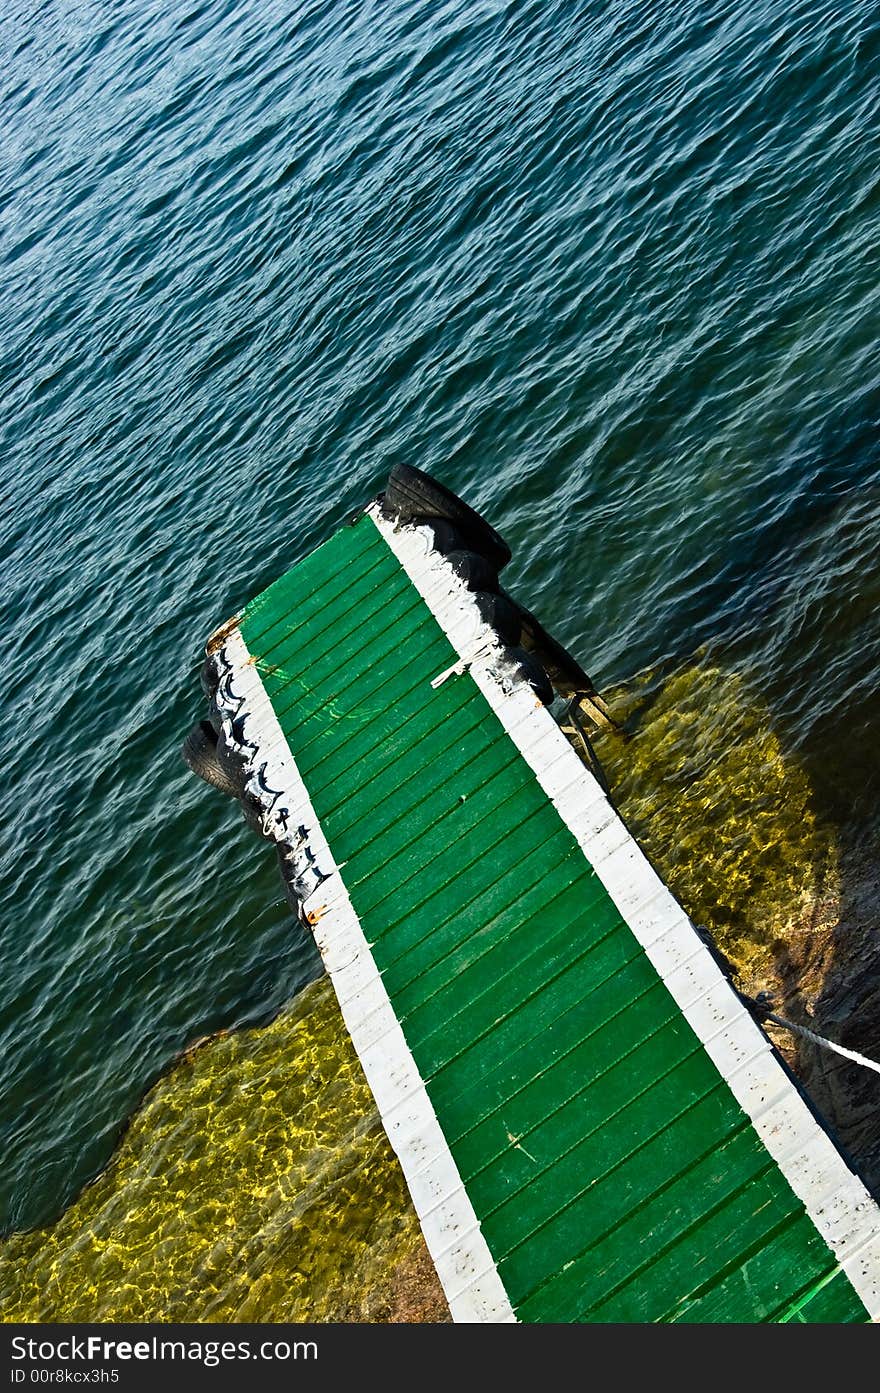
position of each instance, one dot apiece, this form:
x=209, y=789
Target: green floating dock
x=591, y=1125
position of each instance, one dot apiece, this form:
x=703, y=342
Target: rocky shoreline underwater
x=255, y=1182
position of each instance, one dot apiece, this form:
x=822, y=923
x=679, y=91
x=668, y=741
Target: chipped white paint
x=840, y=1207
x=458, y=1249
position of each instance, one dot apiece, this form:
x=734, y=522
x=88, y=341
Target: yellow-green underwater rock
x=255, y=1183
x=723, y=812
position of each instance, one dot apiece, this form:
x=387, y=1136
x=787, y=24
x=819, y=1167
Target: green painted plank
x=592, y=1189
x=761, y=1281
x=484, y=958
x=312, y=681
x=385, y=596
x=562, y=1058
x=499, y=983
x=407, y=726
x=659, y=1238
x=834, y=1302
x=551, y=1000
x=329, y=706
x=472, y=922
x=601, y=1235
x=314, y=581
x=402, y=782
x=458, y=836
x=761, y=1218
x=294, y=660
x=343, y=606
x=399, y=713
x=589, y=1131
x=527, y=995
x=449, y=811
x=457, y=871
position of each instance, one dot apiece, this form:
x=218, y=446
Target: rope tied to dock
x=762, y=1004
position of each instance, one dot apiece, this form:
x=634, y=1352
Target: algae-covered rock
x=727, y=815
x=255, y=1183
x=702, y=780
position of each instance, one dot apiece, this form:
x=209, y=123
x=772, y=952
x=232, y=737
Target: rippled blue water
x=611, y=270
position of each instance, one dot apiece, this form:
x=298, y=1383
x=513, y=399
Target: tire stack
x=218, y=749
x=478, y=554
x=219, y=752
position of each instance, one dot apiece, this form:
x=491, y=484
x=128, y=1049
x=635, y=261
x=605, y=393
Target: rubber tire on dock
x=565, y=671
x=500, y=614
x=199, y=752
x=527, y=668
x=210, y=675
x=446, y=536
x=473, y=568
x=410, y=494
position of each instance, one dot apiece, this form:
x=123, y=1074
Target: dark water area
x=611, y=271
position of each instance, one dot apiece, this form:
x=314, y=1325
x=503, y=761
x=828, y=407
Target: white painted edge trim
x=836, y=1200
x=460, y=1254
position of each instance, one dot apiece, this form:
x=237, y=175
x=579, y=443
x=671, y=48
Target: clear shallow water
x=255, y=1183
x=611, y=271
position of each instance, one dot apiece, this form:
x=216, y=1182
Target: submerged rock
x=255, y=1183
x=726, y=816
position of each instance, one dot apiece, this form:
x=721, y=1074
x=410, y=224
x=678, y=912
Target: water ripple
x=611, y=271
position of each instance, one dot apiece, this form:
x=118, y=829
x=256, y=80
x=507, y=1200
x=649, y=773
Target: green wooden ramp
x=591, y=1125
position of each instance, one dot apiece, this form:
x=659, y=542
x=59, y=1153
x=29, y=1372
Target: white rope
x=829, y=1044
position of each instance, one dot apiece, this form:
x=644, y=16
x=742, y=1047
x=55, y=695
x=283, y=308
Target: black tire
x=410, y=494
x=473, y=568
x=526, y=667
x=232, y=760
x=210, y=675
x=565, y=671
x=199, y=753
x=500, y=614
x=253, y=814
x=447, y=536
